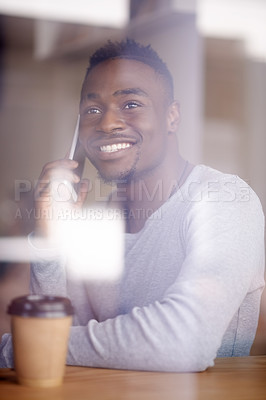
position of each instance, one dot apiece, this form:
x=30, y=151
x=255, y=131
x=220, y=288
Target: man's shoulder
x=211, y=184
x=206, y=173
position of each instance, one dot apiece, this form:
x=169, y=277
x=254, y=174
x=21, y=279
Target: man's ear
x=173, y=117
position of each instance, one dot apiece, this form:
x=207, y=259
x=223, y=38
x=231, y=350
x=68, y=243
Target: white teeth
x=114, y=147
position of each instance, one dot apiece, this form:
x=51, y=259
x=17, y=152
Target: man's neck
x=140, y=198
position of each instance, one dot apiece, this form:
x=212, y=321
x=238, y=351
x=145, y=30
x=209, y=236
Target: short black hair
x=132, y=50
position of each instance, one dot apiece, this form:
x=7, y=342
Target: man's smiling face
x=123, y=125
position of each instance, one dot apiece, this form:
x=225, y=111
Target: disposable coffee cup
x=40, y=329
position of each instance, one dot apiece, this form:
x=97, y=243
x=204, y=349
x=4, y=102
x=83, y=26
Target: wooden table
x=230, y=379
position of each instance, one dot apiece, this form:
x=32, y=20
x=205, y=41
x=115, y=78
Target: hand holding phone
x=56, y=187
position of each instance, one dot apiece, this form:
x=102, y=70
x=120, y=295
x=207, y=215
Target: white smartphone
x=76, y=153
x=74, y=140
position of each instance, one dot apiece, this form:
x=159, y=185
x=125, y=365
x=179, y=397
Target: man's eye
x=131, y=104
x=93, y=110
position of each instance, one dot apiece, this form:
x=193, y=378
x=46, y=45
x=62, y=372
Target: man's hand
x=54, y=195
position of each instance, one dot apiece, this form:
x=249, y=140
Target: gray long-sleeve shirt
x=190, y=290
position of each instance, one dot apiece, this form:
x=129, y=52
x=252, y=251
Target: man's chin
x=122, y=178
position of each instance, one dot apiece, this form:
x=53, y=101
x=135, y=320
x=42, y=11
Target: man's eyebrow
x=91, y=96
x=121, y=92
x=136, y=91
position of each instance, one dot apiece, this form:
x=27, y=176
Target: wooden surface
x=230, y=379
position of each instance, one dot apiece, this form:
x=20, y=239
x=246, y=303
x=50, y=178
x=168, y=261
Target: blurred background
x=215, y=49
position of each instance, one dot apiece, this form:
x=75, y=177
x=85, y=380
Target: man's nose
x=110, y=122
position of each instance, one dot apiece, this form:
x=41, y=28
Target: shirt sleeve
x=184, y=330
x=49, y=277
x=48, y=274
x=6, y=351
